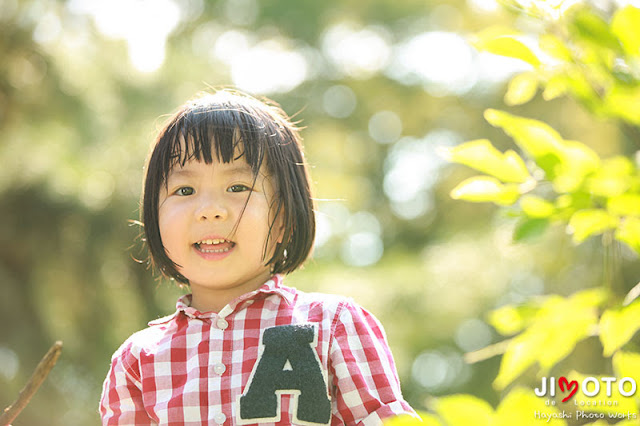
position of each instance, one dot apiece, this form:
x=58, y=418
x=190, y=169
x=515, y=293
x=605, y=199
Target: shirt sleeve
x=366, y=388
x=121, y=402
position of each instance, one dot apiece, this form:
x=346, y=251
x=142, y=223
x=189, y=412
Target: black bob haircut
x=231, y=125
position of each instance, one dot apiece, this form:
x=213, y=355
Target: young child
x=227, y=210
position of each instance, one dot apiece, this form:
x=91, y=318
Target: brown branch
x=487, y=352
x=41, y=372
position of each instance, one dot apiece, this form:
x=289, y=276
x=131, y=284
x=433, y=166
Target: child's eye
x=238, y=188
x=185, y=190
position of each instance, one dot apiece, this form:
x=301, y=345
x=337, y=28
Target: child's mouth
x=214, y=246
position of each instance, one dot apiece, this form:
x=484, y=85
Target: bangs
x=201, y=132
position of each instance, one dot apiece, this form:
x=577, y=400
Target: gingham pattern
x=190, y=368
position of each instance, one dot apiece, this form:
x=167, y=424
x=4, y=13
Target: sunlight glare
x=331, y=220
x=441, y=61
x=144, y=24
x=484, y=6
x=269, y=67
x=230, y=44
x=623, y=3
x=362, y=249
x=358, y=53
x=412, y=165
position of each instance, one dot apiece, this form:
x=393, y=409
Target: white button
x=219, y=369
x=222, y=324
x=219, y=418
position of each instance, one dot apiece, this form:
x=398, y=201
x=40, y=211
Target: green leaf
x=522, y=88
x=506, y=45
x=519, y=408
x=624, y=205
x=629, y=233
x=555, y=87
x=407, y=420
x=617, y=327
x=591, y=27
x=573, y=201
x=626, y=364
x=585, y=223
x=626, y=26
x=537, y=139
x=482, y=156
x=486, y=189
x=624, y=102
x=507, y=320
x=582, y=89
x=552, y=45
x=579, y=161
x=530, y=229
x=613, y=178
x=555, y=330
x=464, y=410
x=525, y=131
x=536, y=207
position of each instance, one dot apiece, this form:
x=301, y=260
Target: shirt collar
x=273, y=286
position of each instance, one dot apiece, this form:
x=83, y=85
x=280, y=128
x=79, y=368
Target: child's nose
x=211, y=209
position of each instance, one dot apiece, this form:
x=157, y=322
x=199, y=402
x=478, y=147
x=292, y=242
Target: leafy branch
x=550, y=180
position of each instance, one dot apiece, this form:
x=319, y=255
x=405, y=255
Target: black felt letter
x=304, y=378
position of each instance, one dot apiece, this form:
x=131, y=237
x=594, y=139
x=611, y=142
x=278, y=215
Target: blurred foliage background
x=380, y=86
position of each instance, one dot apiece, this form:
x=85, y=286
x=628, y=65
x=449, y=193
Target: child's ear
x=278, y=227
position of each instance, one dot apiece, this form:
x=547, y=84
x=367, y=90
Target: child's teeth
x=224, y=250
x=206, y=246
x=216, y=241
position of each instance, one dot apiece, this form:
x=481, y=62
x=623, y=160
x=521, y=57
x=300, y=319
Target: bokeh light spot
x=472, y=335
x=339, y=101
x=441, y=61
x=385, y=126
x=9, y=363
x=358, y=53
x=362, y=249
x=268, y=67
x=241, y=12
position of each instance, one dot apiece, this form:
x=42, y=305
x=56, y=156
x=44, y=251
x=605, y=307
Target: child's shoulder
x=336, y=303
x=327, y=300
x=148, y=339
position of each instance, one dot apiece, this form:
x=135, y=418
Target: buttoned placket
x=219, y=330
x=217, y=368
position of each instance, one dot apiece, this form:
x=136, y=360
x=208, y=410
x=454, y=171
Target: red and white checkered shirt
x=273, y=356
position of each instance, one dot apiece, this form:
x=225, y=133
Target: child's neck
x=207, y=299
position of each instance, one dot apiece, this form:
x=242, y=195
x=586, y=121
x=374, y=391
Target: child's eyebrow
x=240, y=169
x=181, y=172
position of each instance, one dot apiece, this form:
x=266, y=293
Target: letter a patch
x=287, y=363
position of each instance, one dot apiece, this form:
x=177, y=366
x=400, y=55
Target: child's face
x=198, y=211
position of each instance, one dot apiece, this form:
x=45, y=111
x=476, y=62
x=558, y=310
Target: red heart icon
x=569, y=384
